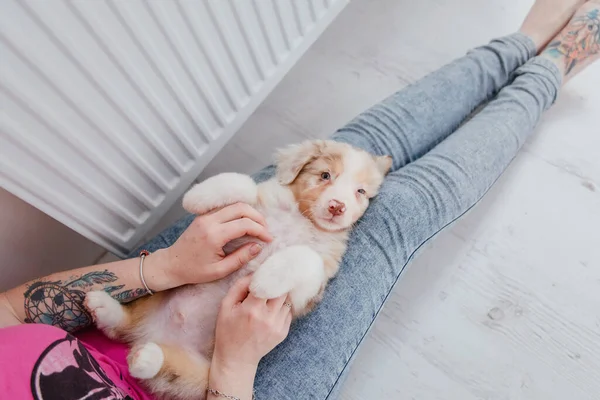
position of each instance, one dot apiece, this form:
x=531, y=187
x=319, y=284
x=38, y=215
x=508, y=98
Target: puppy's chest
x=288, y=228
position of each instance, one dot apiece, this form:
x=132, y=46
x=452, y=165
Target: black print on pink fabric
x=66, y=370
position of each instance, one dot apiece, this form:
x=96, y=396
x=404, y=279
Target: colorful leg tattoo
x=579, y=41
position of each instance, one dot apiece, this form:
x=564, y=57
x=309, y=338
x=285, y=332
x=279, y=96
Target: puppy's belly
x=188, y=316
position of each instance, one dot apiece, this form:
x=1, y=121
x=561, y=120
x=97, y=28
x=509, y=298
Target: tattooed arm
x=58, y=298
x=196, y=257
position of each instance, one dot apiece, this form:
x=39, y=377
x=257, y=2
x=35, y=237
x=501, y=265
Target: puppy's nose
x=336, y=207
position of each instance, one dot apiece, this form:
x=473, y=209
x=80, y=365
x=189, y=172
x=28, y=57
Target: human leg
x=412, y=121
x=309, y=363
x=409, y=123
x=578, y=44
x=414, y=203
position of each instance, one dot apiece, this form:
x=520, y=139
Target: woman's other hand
x=248, y=328
x=198, y=257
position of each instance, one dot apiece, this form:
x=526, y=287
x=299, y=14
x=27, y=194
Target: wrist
x=239, y=363
x=233, y=378
x=157, y=271
x=233, y=369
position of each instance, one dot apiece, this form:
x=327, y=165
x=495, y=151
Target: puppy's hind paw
x=220, y=191
x=145, y=361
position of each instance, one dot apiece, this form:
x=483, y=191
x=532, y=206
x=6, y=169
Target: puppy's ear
x=292, y=159
x=384, y=163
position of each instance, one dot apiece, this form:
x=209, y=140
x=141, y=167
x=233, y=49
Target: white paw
x=146, y=361
x=107, y=312
x=297, y=268
x=268, y=284
x=219, y=191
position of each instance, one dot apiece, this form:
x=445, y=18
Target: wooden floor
x=506, y=303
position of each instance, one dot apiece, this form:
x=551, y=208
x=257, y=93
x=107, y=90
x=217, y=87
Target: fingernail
x=255, y=249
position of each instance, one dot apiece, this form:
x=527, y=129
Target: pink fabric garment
x=44, y=362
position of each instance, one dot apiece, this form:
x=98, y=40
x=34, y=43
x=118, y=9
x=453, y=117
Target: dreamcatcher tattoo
x=60, y=303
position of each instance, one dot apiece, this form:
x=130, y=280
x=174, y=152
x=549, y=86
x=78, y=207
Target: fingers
x=237, y=259
x=276, y=303
x=237, y=211
x=238, y=292
x=242, y=227
x=253, y=301
x=286, y=308
x=286, y=324
x=288, y=321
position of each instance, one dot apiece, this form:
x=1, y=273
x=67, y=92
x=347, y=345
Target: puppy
x=320, y=190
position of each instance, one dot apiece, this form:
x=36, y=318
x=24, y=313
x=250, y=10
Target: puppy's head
x=332, y=182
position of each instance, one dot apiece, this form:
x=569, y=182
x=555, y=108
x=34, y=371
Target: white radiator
x=110, y=109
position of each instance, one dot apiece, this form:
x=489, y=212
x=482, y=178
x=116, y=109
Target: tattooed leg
x=578, y=44
x=546, y=18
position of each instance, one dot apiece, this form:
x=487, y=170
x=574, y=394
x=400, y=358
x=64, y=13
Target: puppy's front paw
x=145, y=361
x=107, y=312
x=220, y=191
x=267, y=284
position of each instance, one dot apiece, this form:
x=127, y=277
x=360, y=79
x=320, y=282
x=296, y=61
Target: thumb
x=239, y=258
x=237, y=293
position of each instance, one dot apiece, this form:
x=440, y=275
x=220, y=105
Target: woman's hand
x=198, y=257
x=247, y=329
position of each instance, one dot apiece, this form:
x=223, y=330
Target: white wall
x=33, y=244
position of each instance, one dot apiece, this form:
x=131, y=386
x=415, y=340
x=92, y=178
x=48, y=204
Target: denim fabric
x=441, y=169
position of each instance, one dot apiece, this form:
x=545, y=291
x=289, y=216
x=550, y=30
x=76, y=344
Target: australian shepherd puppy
x=320, y=190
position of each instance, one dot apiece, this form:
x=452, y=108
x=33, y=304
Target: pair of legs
x=440, y=170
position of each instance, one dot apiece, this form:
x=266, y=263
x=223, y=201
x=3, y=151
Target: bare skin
x=546, y=18
x=551, y=23
x=247, y=328
x=577, y=45
x=196, y=257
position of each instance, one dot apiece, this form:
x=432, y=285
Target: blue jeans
x=441, y=169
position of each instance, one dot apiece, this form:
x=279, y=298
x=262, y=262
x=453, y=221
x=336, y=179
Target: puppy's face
x=332, y=182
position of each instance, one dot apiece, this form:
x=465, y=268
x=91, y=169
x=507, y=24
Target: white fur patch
x=272, y=194
x=107, y=312
x=297, y=270
x=220, y=191
x=146, y=361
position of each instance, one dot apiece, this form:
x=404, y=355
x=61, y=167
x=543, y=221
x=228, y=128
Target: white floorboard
x=505, y=304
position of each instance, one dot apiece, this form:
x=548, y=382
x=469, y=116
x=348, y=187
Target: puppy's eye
x=362, y=191
x=325, y=176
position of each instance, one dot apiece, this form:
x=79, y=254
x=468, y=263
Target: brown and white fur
x=321, y=189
